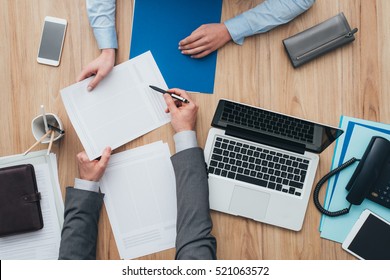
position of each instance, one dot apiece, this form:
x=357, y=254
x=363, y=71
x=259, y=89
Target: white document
x=43, y=244
x=140, y=198
x=121, y=108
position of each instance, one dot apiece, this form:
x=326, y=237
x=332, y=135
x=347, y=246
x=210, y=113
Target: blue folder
x=158, y=26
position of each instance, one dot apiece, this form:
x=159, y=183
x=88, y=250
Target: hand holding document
x=120, y=109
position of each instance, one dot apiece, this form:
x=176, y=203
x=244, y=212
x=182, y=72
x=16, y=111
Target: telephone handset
x=371, y=178
x=372, y=172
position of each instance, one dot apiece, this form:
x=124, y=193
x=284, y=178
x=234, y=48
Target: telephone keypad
x=381, y=195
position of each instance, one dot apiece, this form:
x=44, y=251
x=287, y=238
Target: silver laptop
x=262, y=164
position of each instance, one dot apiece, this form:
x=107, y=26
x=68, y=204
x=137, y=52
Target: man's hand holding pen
x=175, y=96
x=183, y=114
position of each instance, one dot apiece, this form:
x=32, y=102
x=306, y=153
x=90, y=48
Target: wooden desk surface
x=350, y=81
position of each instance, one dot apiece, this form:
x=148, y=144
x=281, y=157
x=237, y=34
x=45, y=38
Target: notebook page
x=121, y=108
x=140, y=198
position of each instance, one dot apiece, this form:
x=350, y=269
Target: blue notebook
x=158, y=26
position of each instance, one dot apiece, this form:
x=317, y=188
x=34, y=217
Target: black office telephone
x=370, y=180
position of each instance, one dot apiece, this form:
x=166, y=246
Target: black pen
x=182, y=99
x=60, y=131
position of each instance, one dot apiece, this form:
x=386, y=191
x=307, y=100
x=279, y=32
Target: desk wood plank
x=351, y=80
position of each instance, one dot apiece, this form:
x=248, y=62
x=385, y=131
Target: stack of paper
x=121, y=108
x=352, y=143
x=140, y=198
x=43, y=244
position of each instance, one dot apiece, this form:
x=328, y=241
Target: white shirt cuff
x=86, y=185
x=185, y=140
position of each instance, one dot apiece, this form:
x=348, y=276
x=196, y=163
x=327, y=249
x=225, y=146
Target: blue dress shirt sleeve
x=101, y=15
x=264, y=17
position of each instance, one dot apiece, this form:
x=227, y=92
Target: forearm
x=81, y=216
x=194, y=225
x=101, y=15
x=264, y=17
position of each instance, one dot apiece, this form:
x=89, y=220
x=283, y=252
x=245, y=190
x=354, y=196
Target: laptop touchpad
x=249, y=203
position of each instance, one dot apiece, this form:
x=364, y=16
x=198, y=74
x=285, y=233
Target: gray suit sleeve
x=80, y=230
x=194, y=225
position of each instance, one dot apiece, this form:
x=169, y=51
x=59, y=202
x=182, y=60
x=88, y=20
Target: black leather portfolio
x=319, y=39
x=20, y=209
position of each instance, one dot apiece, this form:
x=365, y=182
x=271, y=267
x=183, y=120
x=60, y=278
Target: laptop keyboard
x=268, y=121
x=259, y=166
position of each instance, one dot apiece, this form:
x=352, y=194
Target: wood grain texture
x=349, y=81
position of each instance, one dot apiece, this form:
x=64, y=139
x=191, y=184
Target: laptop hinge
x=265, y=139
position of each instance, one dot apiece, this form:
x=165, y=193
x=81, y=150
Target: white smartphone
x=52, y=40
x=369, y=238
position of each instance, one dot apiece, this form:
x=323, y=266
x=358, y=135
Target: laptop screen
x=314, y=137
